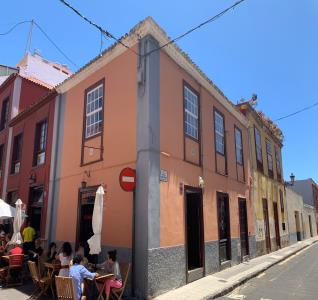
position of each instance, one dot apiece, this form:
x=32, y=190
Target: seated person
x=78, y=273
x=80, y=250
x=112, y=267
x=17, y=249
x=65, y=256
x=37, y=251
x=51, y=254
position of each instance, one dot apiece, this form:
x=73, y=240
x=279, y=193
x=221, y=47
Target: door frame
x=267, y=225
x=79, y=206
x=229, y=245
x=240, y=199
x=199, y=191
x=276, y=224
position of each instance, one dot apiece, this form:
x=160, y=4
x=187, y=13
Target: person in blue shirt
x=78, y=273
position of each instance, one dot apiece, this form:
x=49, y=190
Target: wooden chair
x=41, y=283
x=15, y=266
x=65, y=288
x=118, y=293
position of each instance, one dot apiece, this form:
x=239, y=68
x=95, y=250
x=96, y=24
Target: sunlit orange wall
x=172, y=218
x=119, y=151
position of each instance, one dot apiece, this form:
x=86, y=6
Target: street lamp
x=292, y=180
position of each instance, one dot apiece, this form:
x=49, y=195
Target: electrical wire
x=54, y=44
x=297, y=112
x=107, y=33
x=214, y=18
x=13, y=27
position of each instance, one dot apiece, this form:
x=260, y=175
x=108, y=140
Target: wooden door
x=194, y=234
x=266, y=226
x=243, y=228
x=276, y=225
x=224, y=227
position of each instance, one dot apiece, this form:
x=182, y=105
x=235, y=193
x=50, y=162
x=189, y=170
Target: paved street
x=294, y=278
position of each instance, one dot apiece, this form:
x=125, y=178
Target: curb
x=246, y=278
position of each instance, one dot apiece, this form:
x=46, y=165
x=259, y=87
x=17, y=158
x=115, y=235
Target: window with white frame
x=94, y=111
x=191, y=109
x=219, y=133
x=238, y=146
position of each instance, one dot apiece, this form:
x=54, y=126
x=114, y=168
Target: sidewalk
x=221, y=283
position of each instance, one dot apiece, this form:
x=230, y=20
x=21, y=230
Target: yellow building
x=267, y=181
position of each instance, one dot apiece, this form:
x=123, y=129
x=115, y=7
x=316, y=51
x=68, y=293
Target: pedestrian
x=28, y=234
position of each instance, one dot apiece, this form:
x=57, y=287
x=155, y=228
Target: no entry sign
x=127, y=179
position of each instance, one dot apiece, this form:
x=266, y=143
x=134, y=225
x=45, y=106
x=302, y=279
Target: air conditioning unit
x=17, y=168
x=41, y=158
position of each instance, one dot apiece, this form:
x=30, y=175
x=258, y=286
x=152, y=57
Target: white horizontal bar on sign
x=128, y=179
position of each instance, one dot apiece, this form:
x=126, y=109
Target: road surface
x=295, y=278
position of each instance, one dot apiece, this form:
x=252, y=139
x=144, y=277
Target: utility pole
x=29, y=40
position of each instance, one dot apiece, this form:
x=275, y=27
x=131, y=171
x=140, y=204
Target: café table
x=100, y=281
x=52, y=269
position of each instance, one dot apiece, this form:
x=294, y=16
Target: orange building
x=156, y=112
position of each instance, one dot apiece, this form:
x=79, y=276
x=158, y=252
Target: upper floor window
x=16, y=154
x=219, y=133
x=94, y=111
x=278, y=163
x=238, y=146
x=281, y=198
x=40, y=143
x=269, y=157
x=191, y=113
x=258, y=148
x=4, y=114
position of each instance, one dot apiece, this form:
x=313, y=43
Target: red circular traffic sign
x=127, y=179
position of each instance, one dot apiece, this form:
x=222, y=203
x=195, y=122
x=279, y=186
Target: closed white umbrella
x=17, y=223
x=6, y=210
x=95, y=241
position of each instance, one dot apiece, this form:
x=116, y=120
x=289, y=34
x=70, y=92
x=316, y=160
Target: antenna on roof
x=29, y=40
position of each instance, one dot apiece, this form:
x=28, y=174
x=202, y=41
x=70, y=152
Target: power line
x=13, y=27
x=197, y=27
x=107, y=33
x=55, y=45
x=297, y=112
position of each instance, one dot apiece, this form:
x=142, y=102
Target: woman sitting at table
x=78, y=272
x=111, y=266
x=65, y=257
x=51, y=254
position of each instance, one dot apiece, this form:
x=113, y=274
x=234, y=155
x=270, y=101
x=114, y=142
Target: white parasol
x=95, y=241
x=17, y=223
x=6, y=210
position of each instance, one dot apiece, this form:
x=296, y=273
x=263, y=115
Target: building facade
x=26, y=122
x=156, y=112
x=268, y=184
x=308, y=189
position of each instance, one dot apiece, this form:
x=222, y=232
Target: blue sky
x=267, y=47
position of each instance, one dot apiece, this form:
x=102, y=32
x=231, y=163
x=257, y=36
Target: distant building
x=308, y=189
x=26, y=120
x=268, y=185
x=6, y=71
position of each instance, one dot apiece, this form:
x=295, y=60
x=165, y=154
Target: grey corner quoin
x=147, y=205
